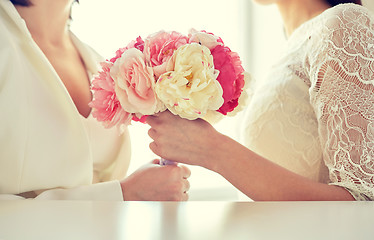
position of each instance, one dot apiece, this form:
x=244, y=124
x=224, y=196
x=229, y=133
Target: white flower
x=190, y=88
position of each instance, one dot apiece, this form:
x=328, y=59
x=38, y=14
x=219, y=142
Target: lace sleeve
x=342, y=94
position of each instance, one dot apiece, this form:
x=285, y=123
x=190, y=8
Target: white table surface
x=53, y=220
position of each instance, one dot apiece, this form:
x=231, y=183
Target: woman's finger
x=152, y=133
x=151, y=120
x=187, y=185
x=186, y=171
x=156, y=161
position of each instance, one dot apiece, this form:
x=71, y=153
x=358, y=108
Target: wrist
x=228, y=155
x=218, y=153
x=126, y=189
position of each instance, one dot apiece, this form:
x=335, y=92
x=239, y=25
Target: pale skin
x=198, y=143
x=47, y=22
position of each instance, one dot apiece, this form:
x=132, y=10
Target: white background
x=255, y=32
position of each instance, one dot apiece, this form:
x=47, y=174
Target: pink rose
x=105, y=105
x=159, y=48
x=205, y=38
x=134, y=83
x=231, y=76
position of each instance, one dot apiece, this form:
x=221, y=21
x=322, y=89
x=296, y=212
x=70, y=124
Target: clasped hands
x=154, y=182
x=177, y=139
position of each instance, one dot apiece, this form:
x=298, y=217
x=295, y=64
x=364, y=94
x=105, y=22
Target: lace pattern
x=342, y=94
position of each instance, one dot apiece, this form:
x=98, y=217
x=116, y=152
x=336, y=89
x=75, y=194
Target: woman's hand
x=153, y=182
x=192, y=142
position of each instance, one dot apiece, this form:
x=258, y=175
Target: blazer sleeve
x=105, y=191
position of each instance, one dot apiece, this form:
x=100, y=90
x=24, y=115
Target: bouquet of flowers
x=193, y=76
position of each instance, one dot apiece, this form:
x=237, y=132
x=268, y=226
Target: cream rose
x=134, y=83
x=190, y=88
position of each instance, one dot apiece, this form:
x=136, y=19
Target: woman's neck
x=47, y=20
x=296, y=12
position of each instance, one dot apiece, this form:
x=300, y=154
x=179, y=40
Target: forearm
x=262, y=180
x=198, y=143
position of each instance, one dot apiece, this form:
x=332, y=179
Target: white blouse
x=314, y=114
x=46, y=147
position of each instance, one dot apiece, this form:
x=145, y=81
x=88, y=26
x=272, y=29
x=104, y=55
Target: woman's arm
x=198, y=143
x=339, y=62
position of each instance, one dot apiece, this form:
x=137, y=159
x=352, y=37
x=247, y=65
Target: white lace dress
x=314, y=114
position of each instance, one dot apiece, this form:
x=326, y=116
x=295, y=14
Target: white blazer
x=45, y=145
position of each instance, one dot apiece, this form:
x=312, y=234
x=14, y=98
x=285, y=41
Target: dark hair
x=336, y=2
x=331, y=2
x=25, y=3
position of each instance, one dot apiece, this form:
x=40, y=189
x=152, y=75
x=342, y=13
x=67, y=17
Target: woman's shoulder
x=347, y=16
x=344, y=33
x=13, y=29
x=343, y=17
x=5, y=32
x=348, y=8
x=342, y=26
